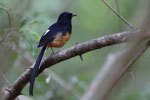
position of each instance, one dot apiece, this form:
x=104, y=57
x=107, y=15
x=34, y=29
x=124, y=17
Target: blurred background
x=69, y=80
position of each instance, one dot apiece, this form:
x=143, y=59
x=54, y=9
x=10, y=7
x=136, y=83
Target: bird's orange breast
x=60, y=40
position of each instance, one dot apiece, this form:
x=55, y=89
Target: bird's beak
x=74, y=15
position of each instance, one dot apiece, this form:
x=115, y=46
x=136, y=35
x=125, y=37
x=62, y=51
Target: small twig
x=136, y=57
x=123, y=19
x=8, y=90
x=6, y=81
x=114, y=72
x=88, y=67
x=80, y=55
x=133, y=77
x=4, y=78
x=9, y=20
x=9, y=23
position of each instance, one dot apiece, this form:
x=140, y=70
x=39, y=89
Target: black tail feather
x=35, y=69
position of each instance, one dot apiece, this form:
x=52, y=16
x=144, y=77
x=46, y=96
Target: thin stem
x=9, y=23
x=129, y=65
x=123, y=19
x=4, y=78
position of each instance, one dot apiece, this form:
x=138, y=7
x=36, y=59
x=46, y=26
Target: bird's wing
x=50, y=34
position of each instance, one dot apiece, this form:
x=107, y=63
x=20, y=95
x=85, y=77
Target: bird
x=56, y=36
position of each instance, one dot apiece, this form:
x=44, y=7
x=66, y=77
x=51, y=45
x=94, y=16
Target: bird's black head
x=65, y=18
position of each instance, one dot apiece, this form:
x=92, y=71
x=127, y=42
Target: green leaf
x=37, y=37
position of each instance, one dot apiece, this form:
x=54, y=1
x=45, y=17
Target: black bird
x=56, y=36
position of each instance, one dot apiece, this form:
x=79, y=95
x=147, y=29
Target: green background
x=30, y=19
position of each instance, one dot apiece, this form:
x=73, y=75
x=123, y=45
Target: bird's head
x=65, y=17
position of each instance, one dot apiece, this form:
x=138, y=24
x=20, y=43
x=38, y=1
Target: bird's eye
x=70, y=14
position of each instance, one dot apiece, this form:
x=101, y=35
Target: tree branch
x=112, y=71
x=4, y=78
x=76, y=50
x=122, y=18
x=119, y=63
x=9, y=23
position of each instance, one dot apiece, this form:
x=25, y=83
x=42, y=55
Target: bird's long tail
x=35, y=69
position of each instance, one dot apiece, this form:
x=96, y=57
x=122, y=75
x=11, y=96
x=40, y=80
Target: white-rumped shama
x=56, y=36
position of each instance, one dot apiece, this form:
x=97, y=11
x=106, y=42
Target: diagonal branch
x=4, y=78
x=122, y=18
x=76, y=50
x=9, y=23
x=9, y=20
